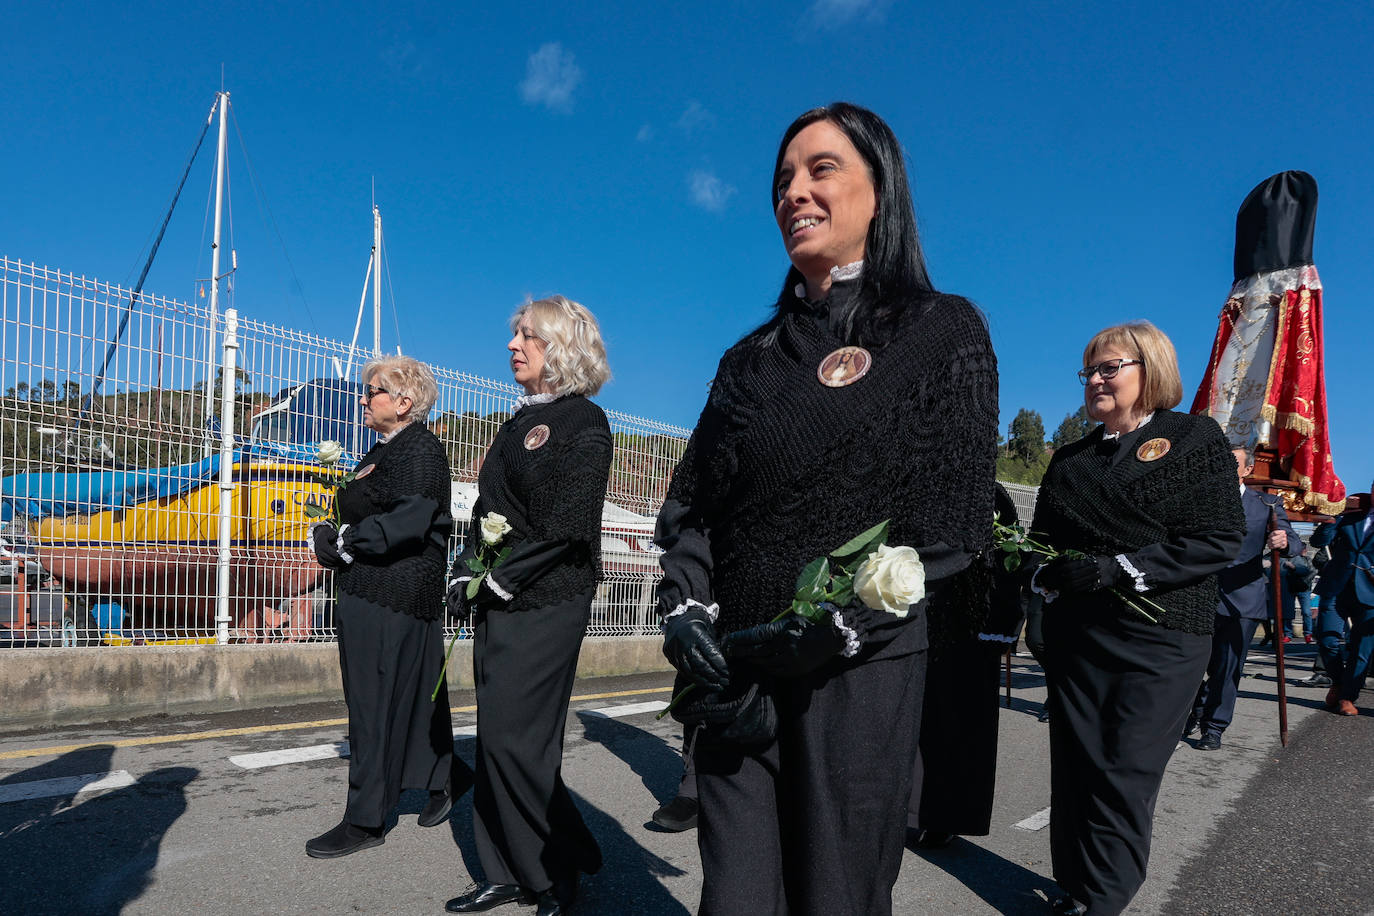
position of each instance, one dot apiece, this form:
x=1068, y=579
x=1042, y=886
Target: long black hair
x=894, y=273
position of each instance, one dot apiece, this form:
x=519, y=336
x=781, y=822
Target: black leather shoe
x=1209, y=742
x=437, y=809
x=930, y=839
x=342, y=840
x=441, y=801
x=1064, y=905
x=677, y=815
x=1190, y=728
x=483, y=897
x=550, y=905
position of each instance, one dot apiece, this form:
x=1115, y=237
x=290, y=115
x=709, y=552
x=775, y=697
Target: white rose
x=891, y=579
x=329, y=452
x=494, y=528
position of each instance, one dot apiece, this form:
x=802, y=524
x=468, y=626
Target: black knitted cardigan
x=550, y=484
x=782, y=469
x=1177, y=519
x=398, y=521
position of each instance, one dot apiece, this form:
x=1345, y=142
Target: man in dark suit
x=1346, y=590
x=1244, y=603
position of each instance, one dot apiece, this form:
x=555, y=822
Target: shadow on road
x=1001, y=884
x=90, y=854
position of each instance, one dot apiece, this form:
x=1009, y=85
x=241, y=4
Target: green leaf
x=808, y=611
x=813, y=579
x=864, y=543
x=1012, y=562
x=501, y=557
x=475, y=565
x=841, y=591
x=314, y=510
x=473, y=586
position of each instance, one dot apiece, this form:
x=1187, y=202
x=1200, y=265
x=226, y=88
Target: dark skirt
x=398, y=738
x=1121, y=691
x=816, y=821
x=955, y=773
x=527, y=829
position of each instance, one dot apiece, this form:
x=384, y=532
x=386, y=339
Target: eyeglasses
x=1107, y=369
x=370, y=392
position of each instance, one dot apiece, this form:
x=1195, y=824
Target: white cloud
x=551, y=75
x=708, y=191
x=646, y=133
x=833, y=13
x=695, y=117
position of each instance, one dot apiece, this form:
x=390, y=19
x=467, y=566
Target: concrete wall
x=83, y=686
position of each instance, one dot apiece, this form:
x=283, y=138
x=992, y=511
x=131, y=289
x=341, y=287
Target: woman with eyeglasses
x=546, y=473
x=1147, y=509
x=388, y=559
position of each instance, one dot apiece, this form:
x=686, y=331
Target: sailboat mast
x=211, y=357
x=376, y=280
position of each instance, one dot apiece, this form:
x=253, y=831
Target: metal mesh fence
x=111, y=408
x=112, y=414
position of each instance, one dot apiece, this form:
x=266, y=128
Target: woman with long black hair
x=867, y=396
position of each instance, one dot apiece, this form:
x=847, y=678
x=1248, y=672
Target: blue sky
x=1074, y=164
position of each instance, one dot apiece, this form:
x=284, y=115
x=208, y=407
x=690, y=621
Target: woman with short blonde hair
x=1162, y=388
x=574, y=354
x=404, y=376
x=544, y=480
x=1145, y=511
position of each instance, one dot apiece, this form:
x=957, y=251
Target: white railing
x=112, y=509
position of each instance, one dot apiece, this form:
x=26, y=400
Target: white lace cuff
x=1045, y=593
x=996, y=637
x=851, y=637
x=712, y=610
x=339, y=546
x=496, y=588
x=1134, y=573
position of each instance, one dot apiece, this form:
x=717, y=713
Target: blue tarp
x=87, y=492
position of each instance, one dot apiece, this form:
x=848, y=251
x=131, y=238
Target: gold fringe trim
x=1268, y=413
x=1295, y=421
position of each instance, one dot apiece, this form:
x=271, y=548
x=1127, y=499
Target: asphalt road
x=169, y=815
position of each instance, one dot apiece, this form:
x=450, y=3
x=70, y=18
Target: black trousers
x=527, y=829
x=816, y=821
x=1216, y=698
x=397, y=737
x=1122, y=689
x=955, y=773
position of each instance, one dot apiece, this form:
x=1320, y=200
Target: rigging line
x=138, y=288
x=391, y=290
x=261, y=197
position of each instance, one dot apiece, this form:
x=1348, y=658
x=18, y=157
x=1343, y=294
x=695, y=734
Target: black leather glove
x=456, y=598
x=1078, y=575
x=789, y=647
x=689, y=642
x=743, y=716
x=324, y=540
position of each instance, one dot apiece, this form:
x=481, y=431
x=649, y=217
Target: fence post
x=229, y=375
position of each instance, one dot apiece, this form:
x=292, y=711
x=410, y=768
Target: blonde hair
x=1162, y=387
x=574, y=355
x=404, y=377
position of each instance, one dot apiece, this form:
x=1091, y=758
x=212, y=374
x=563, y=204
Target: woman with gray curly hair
x=545, y=475
x=388, y=556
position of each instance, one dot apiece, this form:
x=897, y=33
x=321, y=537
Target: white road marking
x=340, y=748
x=66, y=785
x=628, y=709
x=1037, y=821
x=290, y=755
